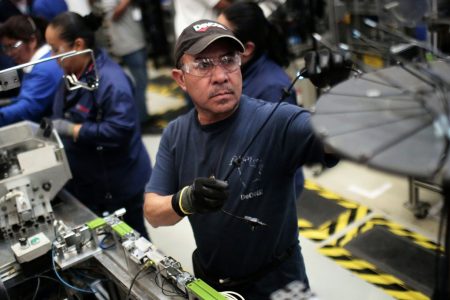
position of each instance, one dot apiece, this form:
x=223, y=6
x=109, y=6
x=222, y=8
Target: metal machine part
x=73, y=245
x=72, y=81
x=138, y=249
x=140, y=254
x=9, y=78
x=141, y=251
x=33, y=168
x=28, y=249
x=172, y=271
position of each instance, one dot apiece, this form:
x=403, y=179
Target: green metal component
x=122, y=228
x=203, y=291
x=96, y=223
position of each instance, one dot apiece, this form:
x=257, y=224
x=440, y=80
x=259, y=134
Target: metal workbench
x=112, y=262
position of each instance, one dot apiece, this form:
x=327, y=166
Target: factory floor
x=384, y=194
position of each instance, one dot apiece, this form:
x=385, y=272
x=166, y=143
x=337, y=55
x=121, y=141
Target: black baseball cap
x=199, y=35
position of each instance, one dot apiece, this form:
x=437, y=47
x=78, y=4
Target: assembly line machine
x=45, y=229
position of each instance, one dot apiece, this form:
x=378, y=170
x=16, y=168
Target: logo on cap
x=202, y=27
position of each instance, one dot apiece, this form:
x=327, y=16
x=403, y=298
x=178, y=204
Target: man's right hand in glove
x=203, y=196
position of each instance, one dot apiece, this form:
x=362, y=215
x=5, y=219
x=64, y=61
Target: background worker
x=22, y=38
x=100, y=128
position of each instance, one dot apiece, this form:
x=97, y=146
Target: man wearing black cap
x=239, y=196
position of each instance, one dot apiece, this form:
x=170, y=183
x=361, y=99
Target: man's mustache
x=222, y=90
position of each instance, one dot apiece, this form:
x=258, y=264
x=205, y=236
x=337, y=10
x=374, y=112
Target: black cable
x=133, y=281
x=174, y=293
x=37, y=288
x=236, y=162
x=49, y=278
x=38, y=277
x=162, y=285
x=253, y=221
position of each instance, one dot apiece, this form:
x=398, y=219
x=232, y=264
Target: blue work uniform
x=262, y=186
x=265, y=79
x=36, y=94
x=109, y=162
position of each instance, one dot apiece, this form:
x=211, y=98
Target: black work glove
x=204, y=195
x=326, y=68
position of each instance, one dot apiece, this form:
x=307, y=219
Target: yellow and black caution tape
x=369, y=272
x=392, y=227
x=353, y=212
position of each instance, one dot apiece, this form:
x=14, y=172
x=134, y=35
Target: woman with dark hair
x=100, y=128
x=22, y=38
x=265, y=52
x=263, y=59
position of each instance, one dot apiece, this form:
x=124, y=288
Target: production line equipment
x=34, y=168
x=74, y=245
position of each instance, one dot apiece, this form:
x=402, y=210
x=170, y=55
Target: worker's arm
x=158, y=210
x=203, y=196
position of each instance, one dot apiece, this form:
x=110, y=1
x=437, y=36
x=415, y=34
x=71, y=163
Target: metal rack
x=418, y=207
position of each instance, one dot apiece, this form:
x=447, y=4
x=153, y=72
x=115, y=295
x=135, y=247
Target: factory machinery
x=34, y=168
x=73, y=245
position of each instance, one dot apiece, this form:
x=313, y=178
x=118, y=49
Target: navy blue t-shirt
x=265, y=79
x=262, y=187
